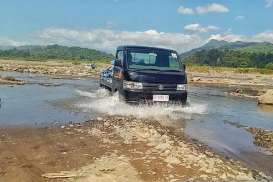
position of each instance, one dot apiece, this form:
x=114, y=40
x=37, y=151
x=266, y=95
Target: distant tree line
x=231, y=58
x=54, y=52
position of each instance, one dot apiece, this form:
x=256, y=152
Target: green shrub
x=269, y=66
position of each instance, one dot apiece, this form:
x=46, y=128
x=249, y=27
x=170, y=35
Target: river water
x=212, y=117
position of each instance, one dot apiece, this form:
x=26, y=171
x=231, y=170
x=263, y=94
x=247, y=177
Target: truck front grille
x=159, y=87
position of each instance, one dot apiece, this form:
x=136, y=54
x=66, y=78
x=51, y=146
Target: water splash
x=100, y=93
x=101, y=101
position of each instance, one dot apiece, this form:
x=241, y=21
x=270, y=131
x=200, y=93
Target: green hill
x=232, y=54
x=258, y=48
x=53, y=52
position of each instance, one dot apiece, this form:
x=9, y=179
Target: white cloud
x=264, y=36
x=212, y=8
x=108, y=40
x=227, y=37
x=185, y=11
x=4, y=41
x=260, y=37
x=197, y=28
x=240, y=17
x=268, y=3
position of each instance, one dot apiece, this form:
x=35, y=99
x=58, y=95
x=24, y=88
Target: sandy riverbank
x=52, y=67
x=109, y=149
x=249, y=85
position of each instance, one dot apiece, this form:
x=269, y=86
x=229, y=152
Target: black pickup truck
x=146, y=75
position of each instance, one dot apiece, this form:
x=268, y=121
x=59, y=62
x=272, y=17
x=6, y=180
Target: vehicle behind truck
x=146, y=75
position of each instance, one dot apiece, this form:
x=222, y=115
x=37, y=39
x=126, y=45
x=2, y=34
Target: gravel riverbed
x=113, y=149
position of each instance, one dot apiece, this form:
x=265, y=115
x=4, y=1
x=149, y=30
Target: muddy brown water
x=212, y=117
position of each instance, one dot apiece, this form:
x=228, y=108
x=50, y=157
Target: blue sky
x=74, y=22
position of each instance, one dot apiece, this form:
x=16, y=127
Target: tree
x=269, y=66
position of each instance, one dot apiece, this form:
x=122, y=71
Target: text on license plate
x=161, y=98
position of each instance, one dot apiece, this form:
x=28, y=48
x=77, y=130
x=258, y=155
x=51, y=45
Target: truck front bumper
x=142, y=96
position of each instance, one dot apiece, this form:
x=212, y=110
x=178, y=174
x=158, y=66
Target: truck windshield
x=153, y=59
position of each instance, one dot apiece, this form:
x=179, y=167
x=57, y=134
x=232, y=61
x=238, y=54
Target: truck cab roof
x=125, y=47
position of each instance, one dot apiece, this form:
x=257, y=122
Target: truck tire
x=120, y=96
x=184, y=101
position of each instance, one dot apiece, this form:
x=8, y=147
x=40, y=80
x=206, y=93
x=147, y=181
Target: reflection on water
x=29, y=104
x=32, y=103
x=266, y=108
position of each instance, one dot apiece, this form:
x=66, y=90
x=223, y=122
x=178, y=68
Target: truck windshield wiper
x=172, y=70
x=153, y=69
x=144, y=69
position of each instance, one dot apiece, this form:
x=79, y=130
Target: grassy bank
x=207, y=69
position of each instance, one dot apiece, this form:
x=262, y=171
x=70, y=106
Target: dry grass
x=207, y=69
x=55, y=67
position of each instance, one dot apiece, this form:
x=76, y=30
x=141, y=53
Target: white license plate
x=161, y=98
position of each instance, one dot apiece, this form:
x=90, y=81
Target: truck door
x=118, y=71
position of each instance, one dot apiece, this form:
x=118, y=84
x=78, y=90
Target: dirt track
x=111, y=149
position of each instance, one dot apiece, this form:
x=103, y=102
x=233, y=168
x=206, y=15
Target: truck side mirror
x=117, y=62
x=184, y=67
x=113, y=62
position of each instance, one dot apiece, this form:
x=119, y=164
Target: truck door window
x=120, y=56
x=174, y=62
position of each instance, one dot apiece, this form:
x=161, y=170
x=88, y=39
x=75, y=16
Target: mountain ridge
x=222, y=44
x=232, y=54
x=55, y=51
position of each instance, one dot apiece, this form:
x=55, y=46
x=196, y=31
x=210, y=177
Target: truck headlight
x=181, y=87
x=132, y=85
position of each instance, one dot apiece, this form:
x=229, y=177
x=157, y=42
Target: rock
x=203, y=176
x=262, y=138
x=99, y=118
x=172, y=160
x=223, y=176
x=237, y=90
x=267, y=98
x=196, y=79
